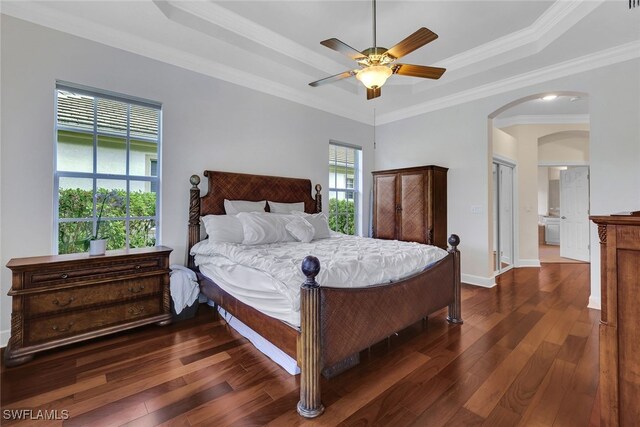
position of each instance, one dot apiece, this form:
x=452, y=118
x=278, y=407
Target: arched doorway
x=514, y=133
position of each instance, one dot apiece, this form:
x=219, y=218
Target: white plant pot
x=97, y=247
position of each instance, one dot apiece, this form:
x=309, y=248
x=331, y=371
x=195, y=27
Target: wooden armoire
x=619, y=331
x=411, y=204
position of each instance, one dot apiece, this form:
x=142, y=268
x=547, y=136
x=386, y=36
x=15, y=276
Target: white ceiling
x=273, y=46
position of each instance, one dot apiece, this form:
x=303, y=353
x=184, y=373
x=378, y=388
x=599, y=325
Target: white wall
x=439, y=138
x=207, y=124
x=543, y=190
x=571, y=147
x=505, y=145
x=614, y=150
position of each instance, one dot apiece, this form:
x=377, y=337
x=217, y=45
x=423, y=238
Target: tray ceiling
x=273, y=46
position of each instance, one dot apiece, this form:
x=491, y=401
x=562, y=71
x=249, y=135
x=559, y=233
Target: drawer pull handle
x=63, y=304
x=136, y=290
x=136, y=310
x=64, y=275
x=137, y=267
x=58, y=329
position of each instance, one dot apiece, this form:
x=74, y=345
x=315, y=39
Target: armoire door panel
x=411, y=204
x=384, y=213
x=412, y=212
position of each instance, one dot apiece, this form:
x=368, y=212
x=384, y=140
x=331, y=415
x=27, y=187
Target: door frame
x=515, y=261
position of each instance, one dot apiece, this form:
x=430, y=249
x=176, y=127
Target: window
x=106, y=162
x=344, y=188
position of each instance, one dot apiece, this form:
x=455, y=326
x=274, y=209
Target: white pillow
x=232, y=207
x=301, y=229
x=261, y=228
x=277, y=207
x=223, y=228
x=319, y=222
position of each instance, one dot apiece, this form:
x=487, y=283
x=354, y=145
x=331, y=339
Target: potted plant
x=96, y=244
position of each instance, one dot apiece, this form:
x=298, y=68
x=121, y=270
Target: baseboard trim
x=594, y=302
x=528, y=263
x=485, y=282
x=4, y=337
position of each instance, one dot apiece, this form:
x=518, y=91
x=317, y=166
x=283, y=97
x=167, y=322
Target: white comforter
x=345, y=261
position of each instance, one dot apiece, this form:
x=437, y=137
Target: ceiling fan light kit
x=374, y=76
x=377, y=64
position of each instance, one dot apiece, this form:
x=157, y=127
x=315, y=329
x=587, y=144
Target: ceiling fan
x=378, y=63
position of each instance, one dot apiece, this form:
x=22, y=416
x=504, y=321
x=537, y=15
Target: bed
x=322, y=344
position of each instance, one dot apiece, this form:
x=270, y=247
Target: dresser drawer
x=91, y=271
x=63, y=299
x=83, y=296
x=63, y=325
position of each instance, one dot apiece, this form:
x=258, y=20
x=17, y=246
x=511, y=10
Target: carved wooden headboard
x=240, y=186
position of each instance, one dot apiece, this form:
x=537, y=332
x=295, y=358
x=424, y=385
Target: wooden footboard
x=338, y=322
x=355, y=318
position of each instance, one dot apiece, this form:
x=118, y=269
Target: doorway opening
x=563, y=230
x=543, y=129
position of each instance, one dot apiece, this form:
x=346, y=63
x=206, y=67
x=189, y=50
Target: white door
x=574, y=213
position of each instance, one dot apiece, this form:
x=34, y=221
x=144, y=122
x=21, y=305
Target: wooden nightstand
x=63, y=299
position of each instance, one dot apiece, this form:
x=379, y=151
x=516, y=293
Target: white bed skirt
x=274, y=353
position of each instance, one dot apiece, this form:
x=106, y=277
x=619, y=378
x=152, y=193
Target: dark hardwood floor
x=527, y=354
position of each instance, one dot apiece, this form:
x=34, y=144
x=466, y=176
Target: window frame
x=94, y=175
x=353, y=193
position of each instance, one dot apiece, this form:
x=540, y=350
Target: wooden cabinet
x=411, y=204
x=619, y=331
x=62, y=299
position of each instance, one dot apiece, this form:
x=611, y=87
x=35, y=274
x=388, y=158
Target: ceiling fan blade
x=373, y=93
x=343, y=48
x=419, y=71
x=332, y=79
x=413, y=42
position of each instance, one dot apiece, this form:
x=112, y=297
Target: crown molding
x=555, y=21
x=221, y=17
x=554, y=119
x=578, y=65
x=47, y=17
x=553, y=16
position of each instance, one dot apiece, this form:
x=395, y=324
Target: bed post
x=194, y=217
x=318, y=198
x=455, y=315
x=310, y=404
